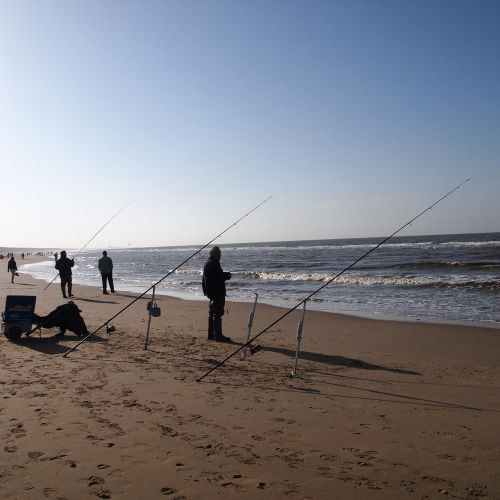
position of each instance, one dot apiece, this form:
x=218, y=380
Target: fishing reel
x=153, y=309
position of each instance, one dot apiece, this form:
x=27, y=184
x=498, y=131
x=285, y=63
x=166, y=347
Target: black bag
x=66, y=317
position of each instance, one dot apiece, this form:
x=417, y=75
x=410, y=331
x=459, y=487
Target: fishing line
x=330, y=280
x=166, y=276
x=85, y=246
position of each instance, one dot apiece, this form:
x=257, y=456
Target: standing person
x=105, y=265
x=214, y=287
x=12, y=267
x=64, y=265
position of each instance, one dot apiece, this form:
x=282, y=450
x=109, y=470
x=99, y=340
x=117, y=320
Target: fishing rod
x=166, y=276
x=85, y=246
x=303, y=301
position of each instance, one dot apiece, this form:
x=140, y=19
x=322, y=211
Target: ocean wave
x=489, y=243
x=370, y=280
x=439, y=265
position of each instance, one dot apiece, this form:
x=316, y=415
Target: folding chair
x=17, y=318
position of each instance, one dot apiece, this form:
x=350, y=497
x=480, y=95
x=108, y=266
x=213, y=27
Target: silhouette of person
x=64, y=265
x=105, y=265
x=214, y=287
x=12, y=267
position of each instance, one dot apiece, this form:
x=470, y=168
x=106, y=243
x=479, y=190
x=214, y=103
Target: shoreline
x=373, y=316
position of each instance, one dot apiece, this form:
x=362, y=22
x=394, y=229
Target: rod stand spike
x=253, y=349
x=298, y=337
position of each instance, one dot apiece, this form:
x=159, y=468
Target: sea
x=452, y=278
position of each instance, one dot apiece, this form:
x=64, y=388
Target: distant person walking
x=12, y=267
x=64, y=265
x=105, y=265
x=214, y=287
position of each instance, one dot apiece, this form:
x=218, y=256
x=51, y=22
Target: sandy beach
x=379, y=409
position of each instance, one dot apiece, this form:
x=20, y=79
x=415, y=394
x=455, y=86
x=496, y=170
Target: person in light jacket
x=105, y=265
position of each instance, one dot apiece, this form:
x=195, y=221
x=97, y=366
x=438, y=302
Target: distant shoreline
x=49, y=250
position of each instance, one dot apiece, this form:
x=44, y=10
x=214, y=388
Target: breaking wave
x=352, y=279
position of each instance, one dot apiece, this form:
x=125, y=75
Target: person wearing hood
x=64, y=265
x=214, y=287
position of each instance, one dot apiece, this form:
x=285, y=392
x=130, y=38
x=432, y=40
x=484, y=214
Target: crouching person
x=65, y=317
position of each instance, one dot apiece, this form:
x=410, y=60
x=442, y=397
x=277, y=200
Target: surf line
x=88, y=242
x=164, y=277
x=303, y=301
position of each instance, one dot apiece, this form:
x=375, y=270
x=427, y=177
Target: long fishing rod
x=166, y=276
x=85, y=246
x=330, y=280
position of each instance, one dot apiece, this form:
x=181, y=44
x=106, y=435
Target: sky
x=354, y=115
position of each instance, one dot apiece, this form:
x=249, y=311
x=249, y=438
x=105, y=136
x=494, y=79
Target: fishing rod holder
x=154, y=311
x=249, y=346
x=298, y=337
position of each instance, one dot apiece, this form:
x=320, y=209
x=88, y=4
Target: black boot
x=210, y=328
x=218, y=331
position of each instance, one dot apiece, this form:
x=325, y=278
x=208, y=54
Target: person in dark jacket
x=12, y=267
x=214, y=287
x=105, y=265
x=64, y=265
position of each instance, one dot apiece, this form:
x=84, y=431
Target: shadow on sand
x=336, y=360
x=50, y=345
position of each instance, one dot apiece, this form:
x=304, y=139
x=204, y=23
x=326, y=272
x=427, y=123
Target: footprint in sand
x=476, y=490
x=94, y=480
x=35, y=454
x=167, y=431
x=101, y=493
x=167, y=491
x=18, y=430
x=90, y=437
x=233, y=486
x=257, y=437
x=325, y=472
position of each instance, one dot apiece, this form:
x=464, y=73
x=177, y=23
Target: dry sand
x=380, y=409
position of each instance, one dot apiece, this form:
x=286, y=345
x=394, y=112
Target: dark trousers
x=215, y=313
x=66, y=280
x=109, y=278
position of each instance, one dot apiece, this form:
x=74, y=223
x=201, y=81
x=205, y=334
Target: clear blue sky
x=354, y=115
